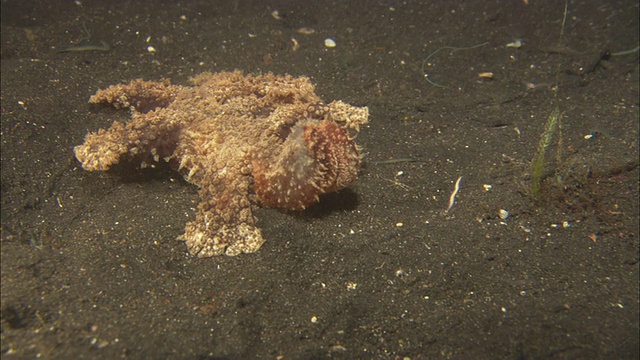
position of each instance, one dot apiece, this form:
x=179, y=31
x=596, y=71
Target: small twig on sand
x=452, y=198
x=104, y=46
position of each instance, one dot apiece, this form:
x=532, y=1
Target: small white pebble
x=151, y=49
x=330, y=43
x=314, y=319
x=504, y=214
x=399, y=224
x=487, y=187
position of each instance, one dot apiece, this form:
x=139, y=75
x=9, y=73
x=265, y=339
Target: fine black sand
x=91, y=267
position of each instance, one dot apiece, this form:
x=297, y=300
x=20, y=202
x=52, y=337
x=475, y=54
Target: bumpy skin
x=244, y=140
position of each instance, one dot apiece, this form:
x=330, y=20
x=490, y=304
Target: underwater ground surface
x=501, y=95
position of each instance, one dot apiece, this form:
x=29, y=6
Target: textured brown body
x=244, y=140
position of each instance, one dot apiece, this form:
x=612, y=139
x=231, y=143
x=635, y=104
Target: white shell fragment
x=504, y=214
x=276, y=15
x=515, y=44
x=330, y=43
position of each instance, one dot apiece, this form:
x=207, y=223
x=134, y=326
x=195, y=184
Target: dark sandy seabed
x=91, y=267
